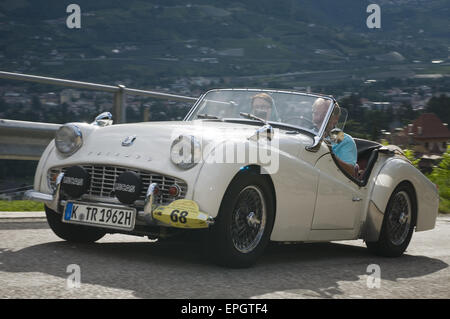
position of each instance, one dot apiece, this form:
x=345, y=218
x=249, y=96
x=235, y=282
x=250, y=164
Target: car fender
x=39, y=176
x=295, y=186
x=217, y=173
x=395, y=171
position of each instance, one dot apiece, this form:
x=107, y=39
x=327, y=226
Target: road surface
x=34, y=263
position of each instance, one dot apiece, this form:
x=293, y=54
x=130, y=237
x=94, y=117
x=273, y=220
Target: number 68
x=181, y=218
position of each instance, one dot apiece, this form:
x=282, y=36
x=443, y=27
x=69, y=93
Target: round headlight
x=68, y=139
x=186, y=151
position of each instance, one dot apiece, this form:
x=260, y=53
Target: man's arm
x=349, y=168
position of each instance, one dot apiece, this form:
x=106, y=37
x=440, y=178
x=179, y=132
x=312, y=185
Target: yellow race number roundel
x=181, y=213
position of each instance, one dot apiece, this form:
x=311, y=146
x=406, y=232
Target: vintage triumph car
x=243, y=168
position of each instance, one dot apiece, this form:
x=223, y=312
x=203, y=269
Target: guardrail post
x=27, y=140
x=146, y=115
x=120, y=105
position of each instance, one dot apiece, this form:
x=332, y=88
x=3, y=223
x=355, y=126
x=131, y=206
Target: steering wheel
x=306, y=120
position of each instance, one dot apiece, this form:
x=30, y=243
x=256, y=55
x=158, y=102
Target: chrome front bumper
x=39, y=197
x=53, y=201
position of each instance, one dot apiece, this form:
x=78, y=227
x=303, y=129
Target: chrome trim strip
x=38, y=197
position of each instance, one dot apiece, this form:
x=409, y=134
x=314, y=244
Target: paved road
x=33, y=264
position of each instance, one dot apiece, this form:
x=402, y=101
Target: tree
x=441, y=107
x=353, y=105
x=375, y=121
x=411, y=156
x=406, y=113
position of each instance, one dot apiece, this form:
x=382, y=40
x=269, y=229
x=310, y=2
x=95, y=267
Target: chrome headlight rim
x=75, y=139
x=195, y=151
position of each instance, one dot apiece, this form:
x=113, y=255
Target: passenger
x=262, y=106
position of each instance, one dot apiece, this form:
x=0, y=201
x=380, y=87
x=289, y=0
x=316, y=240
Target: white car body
x=315, y=200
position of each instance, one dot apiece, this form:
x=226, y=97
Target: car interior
x=367, y=157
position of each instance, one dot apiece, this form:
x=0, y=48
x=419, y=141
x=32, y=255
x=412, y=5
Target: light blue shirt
x=346, y=150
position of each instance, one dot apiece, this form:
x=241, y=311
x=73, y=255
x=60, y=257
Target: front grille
x=104, y=177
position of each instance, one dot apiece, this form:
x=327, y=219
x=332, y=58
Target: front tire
x=398, y=224
x=244, y=223
x=70, y=232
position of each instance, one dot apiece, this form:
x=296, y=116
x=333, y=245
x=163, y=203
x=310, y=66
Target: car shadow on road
x=182, y=270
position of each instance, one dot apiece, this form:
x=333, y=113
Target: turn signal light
x=174, y=190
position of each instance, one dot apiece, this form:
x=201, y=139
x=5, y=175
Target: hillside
x=146, y=44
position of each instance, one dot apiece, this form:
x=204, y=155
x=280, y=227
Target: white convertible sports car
x=244, y=167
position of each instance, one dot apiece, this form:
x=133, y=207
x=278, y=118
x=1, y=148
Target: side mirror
x=104, y=119
x=316, y=144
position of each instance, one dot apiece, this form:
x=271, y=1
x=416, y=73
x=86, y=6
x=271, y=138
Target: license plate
x=107, y=216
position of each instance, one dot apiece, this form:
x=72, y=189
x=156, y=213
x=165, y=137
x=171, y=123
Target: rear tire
x=244, y=223
x=398, y=224
x=71, y=232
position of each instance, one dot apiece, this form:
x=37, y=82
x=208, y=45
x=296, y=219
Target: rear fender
x=395, y=171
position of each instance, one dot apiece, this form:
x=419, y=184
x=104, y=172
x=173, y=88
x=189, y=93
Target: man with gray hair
x=344, y=147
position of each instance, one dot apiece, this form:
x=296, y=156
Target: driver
x=262, y=105
x=344, y=148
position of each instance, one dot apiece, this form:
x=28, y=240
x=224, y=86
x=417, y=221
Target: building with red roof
x=427, y=136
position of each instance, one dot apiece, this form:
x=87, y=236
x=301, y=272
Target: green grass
x=20, y=206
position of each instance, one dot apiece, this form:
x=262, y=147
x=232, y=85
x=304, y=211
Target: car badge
x=129, y=140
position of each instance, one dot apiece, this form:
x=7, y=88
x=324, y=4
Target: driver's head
x=262, y=104
x=319, y=111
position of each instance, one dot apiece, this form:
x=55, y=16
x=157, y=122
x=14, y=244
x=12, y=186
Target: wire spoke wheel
x=244, y=224
x=399, y=220
x=248, y=219
x=400, y=217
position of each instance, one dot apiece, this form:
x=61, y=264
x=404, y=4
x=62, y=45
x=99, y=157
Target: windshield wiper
x=207, y=116
x=266, y=130
x=252, y=117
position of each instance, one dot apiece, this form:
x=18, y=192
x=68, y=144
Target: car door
x=339, y=200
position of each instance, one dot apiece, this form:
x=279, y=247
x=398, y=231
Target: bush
x=411, y=156
x=441, y=177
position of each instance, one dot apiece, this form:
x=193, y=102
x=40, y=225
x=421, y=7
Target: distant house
x=427, y=136
x=379, y=106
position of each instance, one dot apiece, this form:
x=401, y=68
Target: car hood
x=151, y=147
x=152, y=142
x=155, y=138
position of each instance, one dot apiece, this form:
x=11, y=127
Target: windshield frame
x=320, y=132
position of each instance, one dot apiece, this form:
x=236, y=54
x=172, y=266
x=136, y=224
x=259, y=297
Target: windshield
x=304, y=111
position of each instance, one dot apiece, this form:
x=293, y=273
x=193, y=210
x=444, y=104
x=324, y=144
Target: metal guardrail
x=27, y=140
x=119, y=91
x=24, y=140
